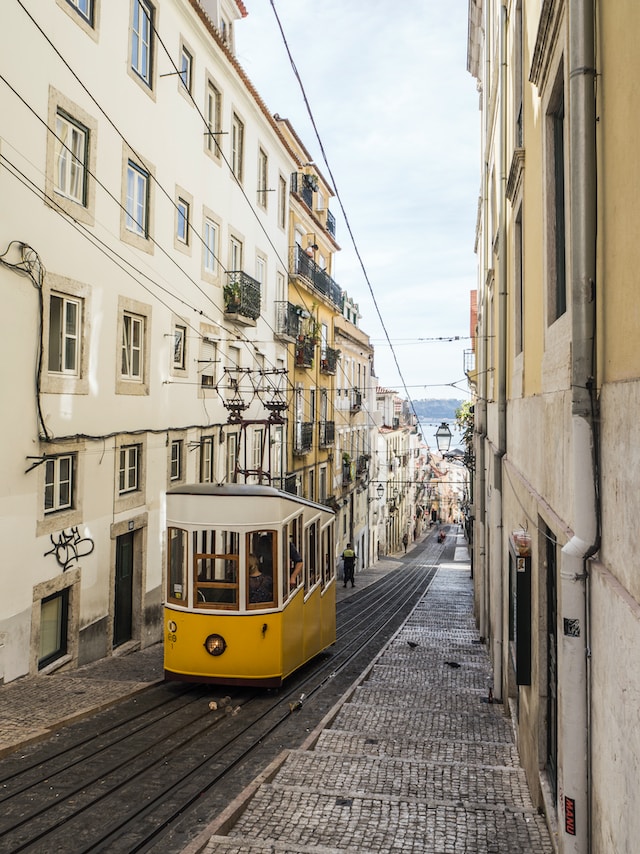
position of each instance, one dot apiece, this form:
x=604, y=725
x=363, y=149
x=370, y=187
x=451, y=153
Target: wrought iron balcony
x=469, y=357
x=305, y=351
x=304, y=266
x=331, y=223
x=303, y=437
x=327, y=433
x=242, y=295
x=304, y=185
x=362, y=466
x=329, y=360
x=355, y=400
x=348, y=473
x=287, y=319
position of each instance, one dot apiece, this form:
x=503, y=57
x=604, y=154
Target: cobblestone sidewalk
x=415, y=760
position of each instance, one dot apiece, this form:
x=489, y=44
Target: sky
x=398, y=117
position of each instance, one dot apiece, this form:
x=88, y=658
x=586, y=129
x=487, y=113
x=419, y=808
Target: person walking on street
x=349, y=562
x=405, y=542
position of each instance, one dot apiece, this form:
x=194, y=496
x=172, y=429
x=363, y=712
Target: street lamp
x=443, y=437
x=380, y=490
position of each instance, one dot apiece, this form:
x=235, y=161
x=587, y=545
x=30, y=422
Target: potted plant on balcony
x=232, y=297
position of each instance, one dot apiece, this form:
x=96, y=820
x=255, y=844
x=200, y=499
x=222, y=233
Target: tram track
x=148, y=781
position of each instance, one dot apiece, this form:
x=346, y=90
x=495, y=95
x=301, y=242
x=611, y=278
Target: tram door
x=123, y=607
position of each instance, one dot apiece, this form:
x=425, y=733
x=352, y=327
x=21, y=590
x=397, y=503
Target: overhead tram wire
x=338, y=197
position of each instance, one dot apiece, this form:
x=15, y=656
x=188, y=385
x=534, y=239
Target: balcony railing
x=304, y=186
x=304, y=266
x=327, y=433
x=305, y=351
x=362, y=466
x=329, y=360
x=331, y=223
x=287, y=319
x=469, y=357
x=303, y=437
x=355, y=400
x=242, y=295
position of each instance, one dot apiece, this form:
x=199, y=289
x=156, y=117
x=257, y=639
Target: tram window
x=312, y=554
x=292, y=546
x=327, y=559
x=262, y=576
x=177, y=576
x=216, y=561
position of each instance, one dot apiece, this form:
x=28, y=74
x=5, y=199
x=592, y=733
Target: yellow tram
x=240, y=609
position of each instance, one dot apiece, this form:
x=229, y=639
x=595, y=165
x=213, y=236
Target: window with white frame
x=282, y=202
x=84, y=8
x=263, y=177
x=137, y=201
x=65, y=317
x=182, y=223
x=258, y=443
x=175, y=469
x=237, y=146
x=213, y=109
x=129, y=469
x=232, y=458
x=132, y=346
x=142, y=40
x=179, y=346
x=261, y=270
x=208, y=356
x=206, y=460
x=235, y=255
x=71, y=150
x=210, y=246
x=186, y=66
x=59, y=483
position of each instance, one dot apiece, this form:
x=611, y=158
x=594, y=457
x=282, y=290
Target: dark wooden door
x=123, y=606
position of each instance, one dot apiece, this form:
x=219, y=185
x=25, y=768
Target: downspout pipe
x=574, y=783
x=501, y=365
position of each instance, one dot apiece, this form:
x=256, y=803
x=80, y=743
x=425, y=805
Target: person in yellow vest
x=349, y=563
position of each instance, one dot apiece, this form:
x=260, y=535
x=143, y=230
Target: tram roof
x=243, y=490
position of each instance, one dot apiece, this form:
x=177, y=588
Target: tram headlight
x=215, y=644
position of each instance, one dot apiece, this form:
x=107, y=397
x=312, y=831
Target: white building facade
x=144, y=251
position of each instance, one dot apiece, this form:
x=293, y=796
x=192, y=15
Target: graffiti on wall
x=68, y=547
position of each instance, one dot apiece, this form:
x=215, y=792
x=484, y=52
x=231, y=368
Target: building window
x=84, y=8
x=176, y=460
x=208, y=355
x=258, y=442
x=206, y=460
x=141, y=40
x=235, y=255
x=556, y=205
x=179, y=347
x=282, y=202
x=58, y=483
x=214, y=123
x=129, y=469
x=137, y=204
x=232, y=458
x=54, y=611
x=71, y=149
x=186, y=65
x=210, y=246
x=132, y=344
x=263, y=177
x=237, y=146
x=182, y=227
x=65, y=316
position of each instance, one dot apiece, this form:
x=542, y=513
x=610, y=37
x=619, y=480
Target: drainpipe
x=573, y=789
x=501, y=367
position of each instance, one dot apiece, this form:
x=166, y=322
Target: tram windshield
x=216, y=556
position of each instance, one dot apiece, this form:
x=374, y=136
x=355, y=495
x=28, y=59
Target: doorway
x=123, y=589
